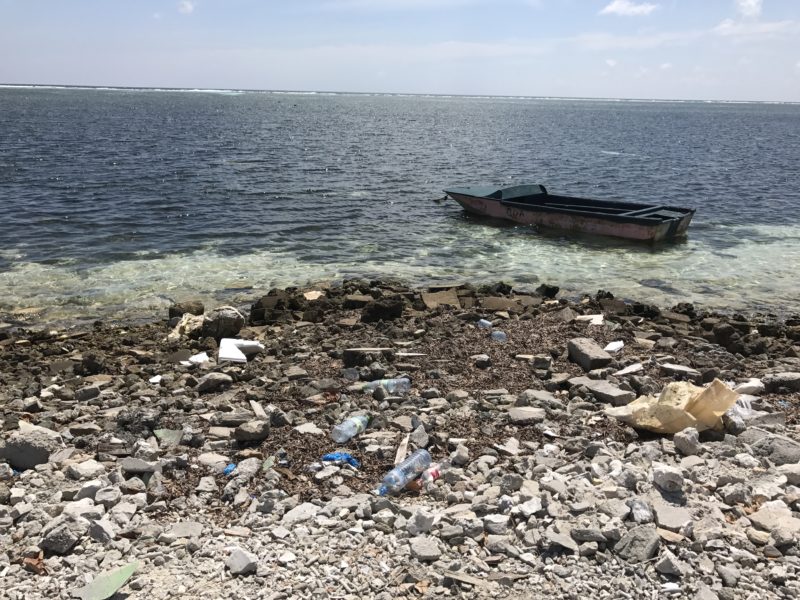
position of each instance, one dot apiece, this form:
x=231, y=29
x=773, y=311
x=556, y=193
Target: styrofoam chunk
x=615, y=346
x=199, y=359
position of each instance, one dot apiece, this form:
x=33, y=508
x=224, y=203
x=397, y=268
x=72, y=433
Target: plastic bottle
x=499, y=336
x=484, y=324
x=430, y=475
x=408, y=470
x=398, y=385
x=349, y=428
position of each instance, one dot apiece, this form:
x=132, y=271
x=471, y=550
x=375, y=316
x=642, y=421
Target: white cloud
x=186, y=7
x=611, y=62
x=665, y=66
x=628, y=8
x=731, y=28
x=608, y=41
x=157, y=16
x=749, y=8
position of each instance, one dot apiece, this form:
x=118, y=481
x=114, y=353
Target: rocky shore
x=132, y=458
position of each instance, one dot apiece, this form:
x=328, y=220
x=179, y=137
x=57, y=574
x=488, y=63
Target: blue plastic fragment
x=342, y=457
x=229, y=469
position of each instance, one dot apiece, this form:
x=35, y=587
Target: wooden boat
x=534, y=205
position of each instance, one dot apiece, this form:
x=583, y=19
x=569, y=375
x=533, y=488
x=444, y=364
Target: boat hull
x=596, y=225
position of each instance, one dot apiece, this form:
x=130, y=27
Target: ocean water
x=117, y=202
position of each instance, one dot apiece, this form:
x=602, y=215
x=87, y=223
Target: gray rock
x=87, y=393
x=729, y=574
x=671, y=517
x=26, y=450
x=102, y=531
x=300, y=513
x=526, y=415
x=252, y=431
x=420, y=522
x=787, y=380
x=241, y=562
x=791, y=472
x=588, y=354
x=687, y=442
x=481, y=361
x=773, y=515
x=89, y=489
x=638, y=544
x=213, y=382
x=108, y=496
x=137, y=466
x=87, y=469
x=669, y=564
x=604, y=391
x=460, y=457
x=186, y=529
x=669, y=479
x=425, y=548
x=222, y=322
x=61, y=534
x=561, y=540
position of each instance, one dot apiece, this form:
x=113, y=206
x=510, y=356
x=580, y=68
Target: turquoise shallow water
x=116, y=202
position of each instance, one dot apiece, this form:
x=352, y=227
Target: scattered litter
x=499, y=336
x=484, y=324
x=155, y=379
x=35, y=564
x=229, y=469
x=408, y=470
x=341, y=458
x=634, y=368
x=593, y=319
x=430, y=475
x=614, y=346
x=106, y=585
x=235, y=350
x=349, y=428
x=680, y=405
x=313, y=295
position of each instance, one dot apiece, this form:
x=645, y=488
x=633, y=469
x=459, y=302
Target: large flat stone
x=774, y=515
x=671, y=517
x=446, y=297
x=524, y=415
x=639, y=544
x=604, y=391
x=588, y=354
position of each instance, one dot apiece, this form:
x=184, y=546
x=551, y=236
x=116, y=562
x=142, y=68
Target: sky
x=675, y=49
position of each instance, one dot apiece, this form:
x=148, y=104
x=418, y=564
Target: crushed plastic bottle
x=499, y=336
x=341, y=458
x=484, y=324
x=349, y=428
x=408, y=470
x=397, y=385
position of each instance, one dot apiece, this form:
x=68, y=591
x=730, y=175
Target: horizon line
x=419, y=94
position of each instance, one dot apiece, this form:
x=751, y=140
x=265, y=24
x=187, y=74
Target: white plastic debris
x=313, y=295
x=155, y=379
x=233, y=350
x=593, y=319
x=197, y=359
x=614, y=346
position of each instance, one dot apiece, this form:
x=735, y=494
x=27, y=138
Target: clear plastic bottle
x=408, y=470
x=484, y=324
x=499, y=336
x=349, y=428
x=398, y=385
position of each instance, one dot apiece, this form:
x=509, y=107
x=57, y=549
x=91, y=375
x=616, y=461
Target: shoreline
x=242, y=298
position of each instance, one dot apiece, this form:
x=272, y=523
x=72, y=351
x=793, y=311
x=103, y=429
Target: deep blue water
x=115, y=200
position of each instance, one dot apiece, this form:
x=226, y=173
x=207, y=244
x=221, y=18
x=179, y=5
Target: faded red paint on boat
x=585, y=224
